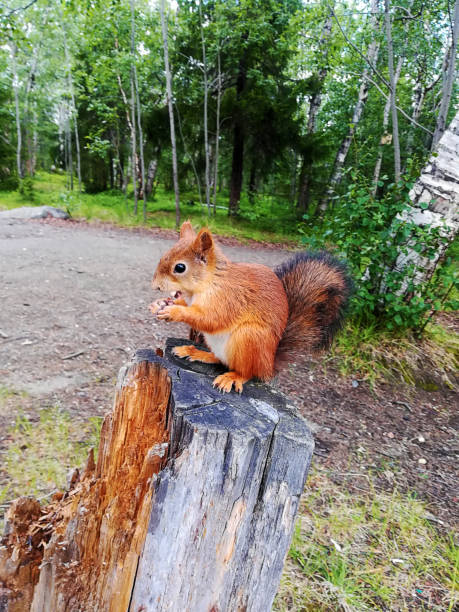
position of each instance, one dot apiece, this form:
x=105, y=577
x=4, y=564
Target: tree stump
x=190, y=507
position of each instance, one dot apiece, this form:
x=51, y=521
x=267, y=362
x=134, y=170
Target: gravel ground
x=74, y=306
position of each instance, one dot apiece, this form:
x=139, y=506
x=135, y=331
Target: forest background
x=304, y=123
x=272, y=119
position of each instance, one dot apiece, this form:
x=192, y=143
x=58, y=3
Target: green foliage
x=26, y=188
x=373, y=235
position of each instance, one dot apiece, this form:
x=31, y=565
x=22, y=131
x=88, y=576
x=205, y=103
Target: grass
x=350, y=552
x=373, y=551
x=368, y=353
x=254, y=223
x=39, y=455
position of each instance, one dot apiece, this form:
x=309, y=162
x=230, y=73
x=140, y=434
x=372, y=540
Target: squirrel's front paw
x=168, y=313
x=158, y=305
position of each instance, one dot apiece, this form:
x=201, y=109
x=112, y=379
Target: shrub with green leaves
x=371, y=234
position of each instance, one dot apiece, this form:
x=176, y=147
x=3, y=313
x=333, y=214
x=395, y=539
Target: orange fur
x=242, y=309
x=245, y=301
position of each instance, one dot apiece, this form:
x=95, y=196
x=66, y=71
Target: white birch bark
x=14, y=50
x=314, y=106
x=133, y=142
x=72, y=97
x=151, y=174
x=434, y=203
x=139, y=115
x=171, y=112
x=385, y=137
x=370, y=60
x=217, y=128
x=393, y=85
x=448, y=79
x=206, y=96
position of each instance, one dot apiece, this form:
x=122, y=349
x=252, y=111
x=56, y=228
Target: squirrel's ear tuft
x=204, y=242
x=187, y=231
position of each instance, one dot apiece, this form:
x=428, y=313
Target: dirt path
x=74, y=305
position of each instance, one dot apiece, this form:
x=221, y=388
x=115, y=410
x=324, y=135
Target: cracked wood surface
x=191, y=505
x=225, y=505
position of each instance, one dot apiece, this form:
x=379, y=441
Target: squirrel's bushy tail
x=318, y=288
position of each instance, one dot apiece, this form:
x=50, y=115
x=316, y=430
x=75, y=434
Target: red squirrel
x=253, y=318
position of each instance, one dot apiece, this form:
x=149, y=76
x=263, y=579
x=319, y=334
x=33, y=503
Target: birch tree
x=434, y=206
x=392, y=90
x=448, y=78
x=15, y=76
x=314, y=106
x=171, y=111
x=72, y=97
x=385, y=137
x=138, y=112
x=206, y=96
x=340, y=159
x=217, y=126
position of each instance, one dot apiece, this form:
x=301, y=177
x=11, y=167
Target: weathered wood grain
x=191, y=505
x=224, y=506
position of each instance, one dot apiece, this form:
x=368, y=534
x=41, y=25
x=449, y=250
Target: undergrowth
x=367, y=551
x=368, y=353
x=40, y=454
x=254, y=223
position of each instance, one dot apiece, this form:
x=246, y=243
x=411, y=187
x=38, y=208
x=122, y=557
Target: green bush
x=26, y=188
x=370, y=233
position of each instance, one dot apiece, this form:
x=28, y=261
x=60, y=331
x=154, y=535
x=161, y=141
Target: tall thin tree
x=314, y=105
x=206, y=97
x=139, y=113
x=385, y=137
x=171, y=111
x=370, y=59
x=217, y=127
x=15, y=75
x=448, y=78
x=393, y=87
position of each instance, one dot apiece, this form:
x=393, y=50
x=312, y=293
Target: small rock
x=34, y=212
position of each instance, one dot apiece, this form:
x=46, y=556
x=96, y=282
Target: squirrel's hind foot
x=224, y=382
x=193, y=354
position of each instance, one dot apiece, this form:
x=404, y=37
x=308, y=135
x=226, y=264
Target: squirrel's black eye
x=180, y=268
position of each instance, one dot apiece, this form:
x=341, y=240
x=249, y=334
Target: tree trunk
x=191, y=505
x=206, y=96
x=14, y=50
x=448, y=79
x=139, y=115
x=434, y=203
x=237, y=164
x=419, y=92
x=217, y=128
x=72, y=97
x=393, y=86
x=338, y=167
x=151, y=175
x=385, y=137
x=171, y=112
x=314, y=106
x=69, y=144
x=253, y=181
x=133, y=142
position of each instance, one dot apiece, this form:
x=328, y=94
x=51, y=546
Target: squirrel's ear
x=204, y=242
x=187, y=231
